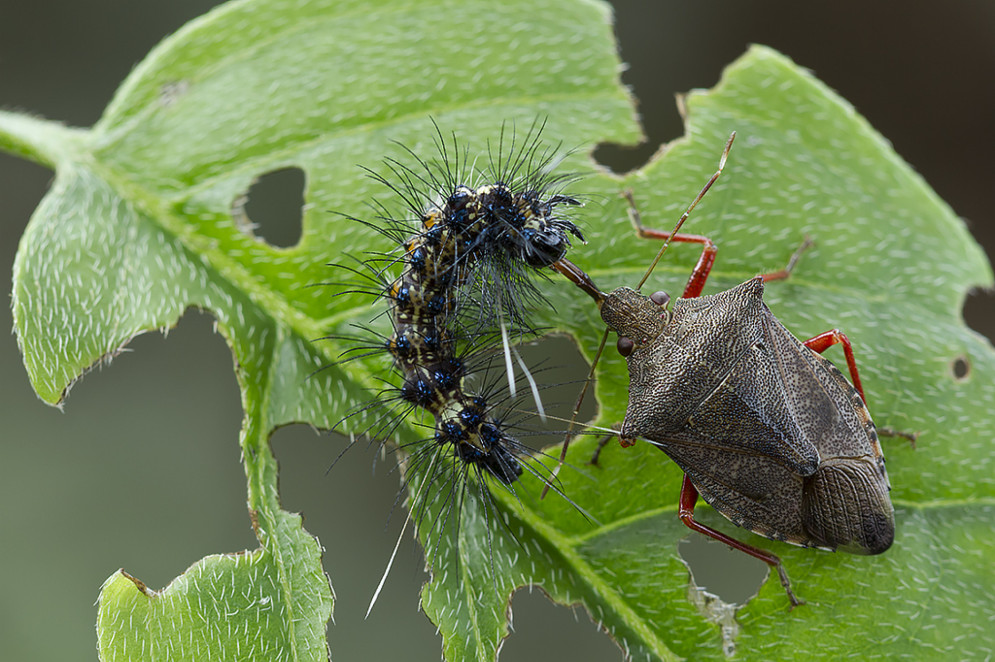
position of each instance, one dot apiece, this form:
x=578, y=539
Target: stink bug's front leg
x=689, y=497
x=696, y=282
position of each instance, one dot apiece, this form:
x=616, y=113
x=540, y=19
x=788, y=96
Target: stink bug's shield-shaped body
x=770, y=433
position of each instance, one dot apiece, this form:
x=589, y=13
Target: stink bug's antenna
x=687, y=212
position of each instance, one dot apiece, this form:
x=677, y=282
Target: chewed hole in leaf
x=979, y=312
x=727, y=573
x=960, y=368
x=559, y=371
x=272, y=209
x=540, y=625
x=625, y=158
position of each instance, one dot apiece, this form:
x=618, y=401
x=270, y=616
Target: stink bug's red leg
x=824, y=341
x=696, y=282
x=689, y=497
x=786, y=271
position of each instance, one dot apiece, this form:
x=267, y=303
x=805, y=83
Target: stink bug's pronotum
x=766, y=430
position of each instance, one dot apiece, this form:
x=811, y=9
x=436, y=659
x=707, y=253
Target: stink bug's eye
x=625, y=346
x=660, y=298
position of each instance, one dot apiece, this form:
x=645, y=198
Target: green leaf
x=270, y=604
x=139, y=226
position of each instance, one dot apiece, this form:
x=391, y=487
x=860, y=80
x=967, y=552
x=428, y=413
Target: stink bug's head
x=634, y=316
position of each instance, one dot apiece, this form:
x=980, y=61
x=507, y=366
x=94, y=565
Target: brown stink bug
x=766, y=430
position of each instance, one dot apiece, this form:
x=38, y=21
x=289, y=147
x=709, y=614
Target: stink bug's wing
x=845, y=504
x=749, y=443
x=743, y=449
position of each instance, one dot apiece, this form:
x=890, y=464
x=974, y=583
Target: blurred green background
x=141, y=469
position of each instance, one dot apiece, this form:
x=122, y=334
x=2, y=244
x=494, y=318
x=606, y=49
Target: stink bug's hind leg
x=689, y=497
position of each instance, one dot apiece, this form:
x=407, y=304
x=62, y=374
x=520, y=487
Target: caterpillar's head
x=545, y=236
x=527, y=224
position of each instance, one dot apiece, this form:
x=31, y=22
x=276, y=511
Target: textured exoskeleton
x=771, y=434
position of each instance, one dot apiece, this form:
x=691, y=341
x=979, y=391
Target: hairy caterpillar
x=459, y=286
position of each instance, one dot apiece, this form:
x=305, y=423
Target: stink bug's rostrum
x=766, y=430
